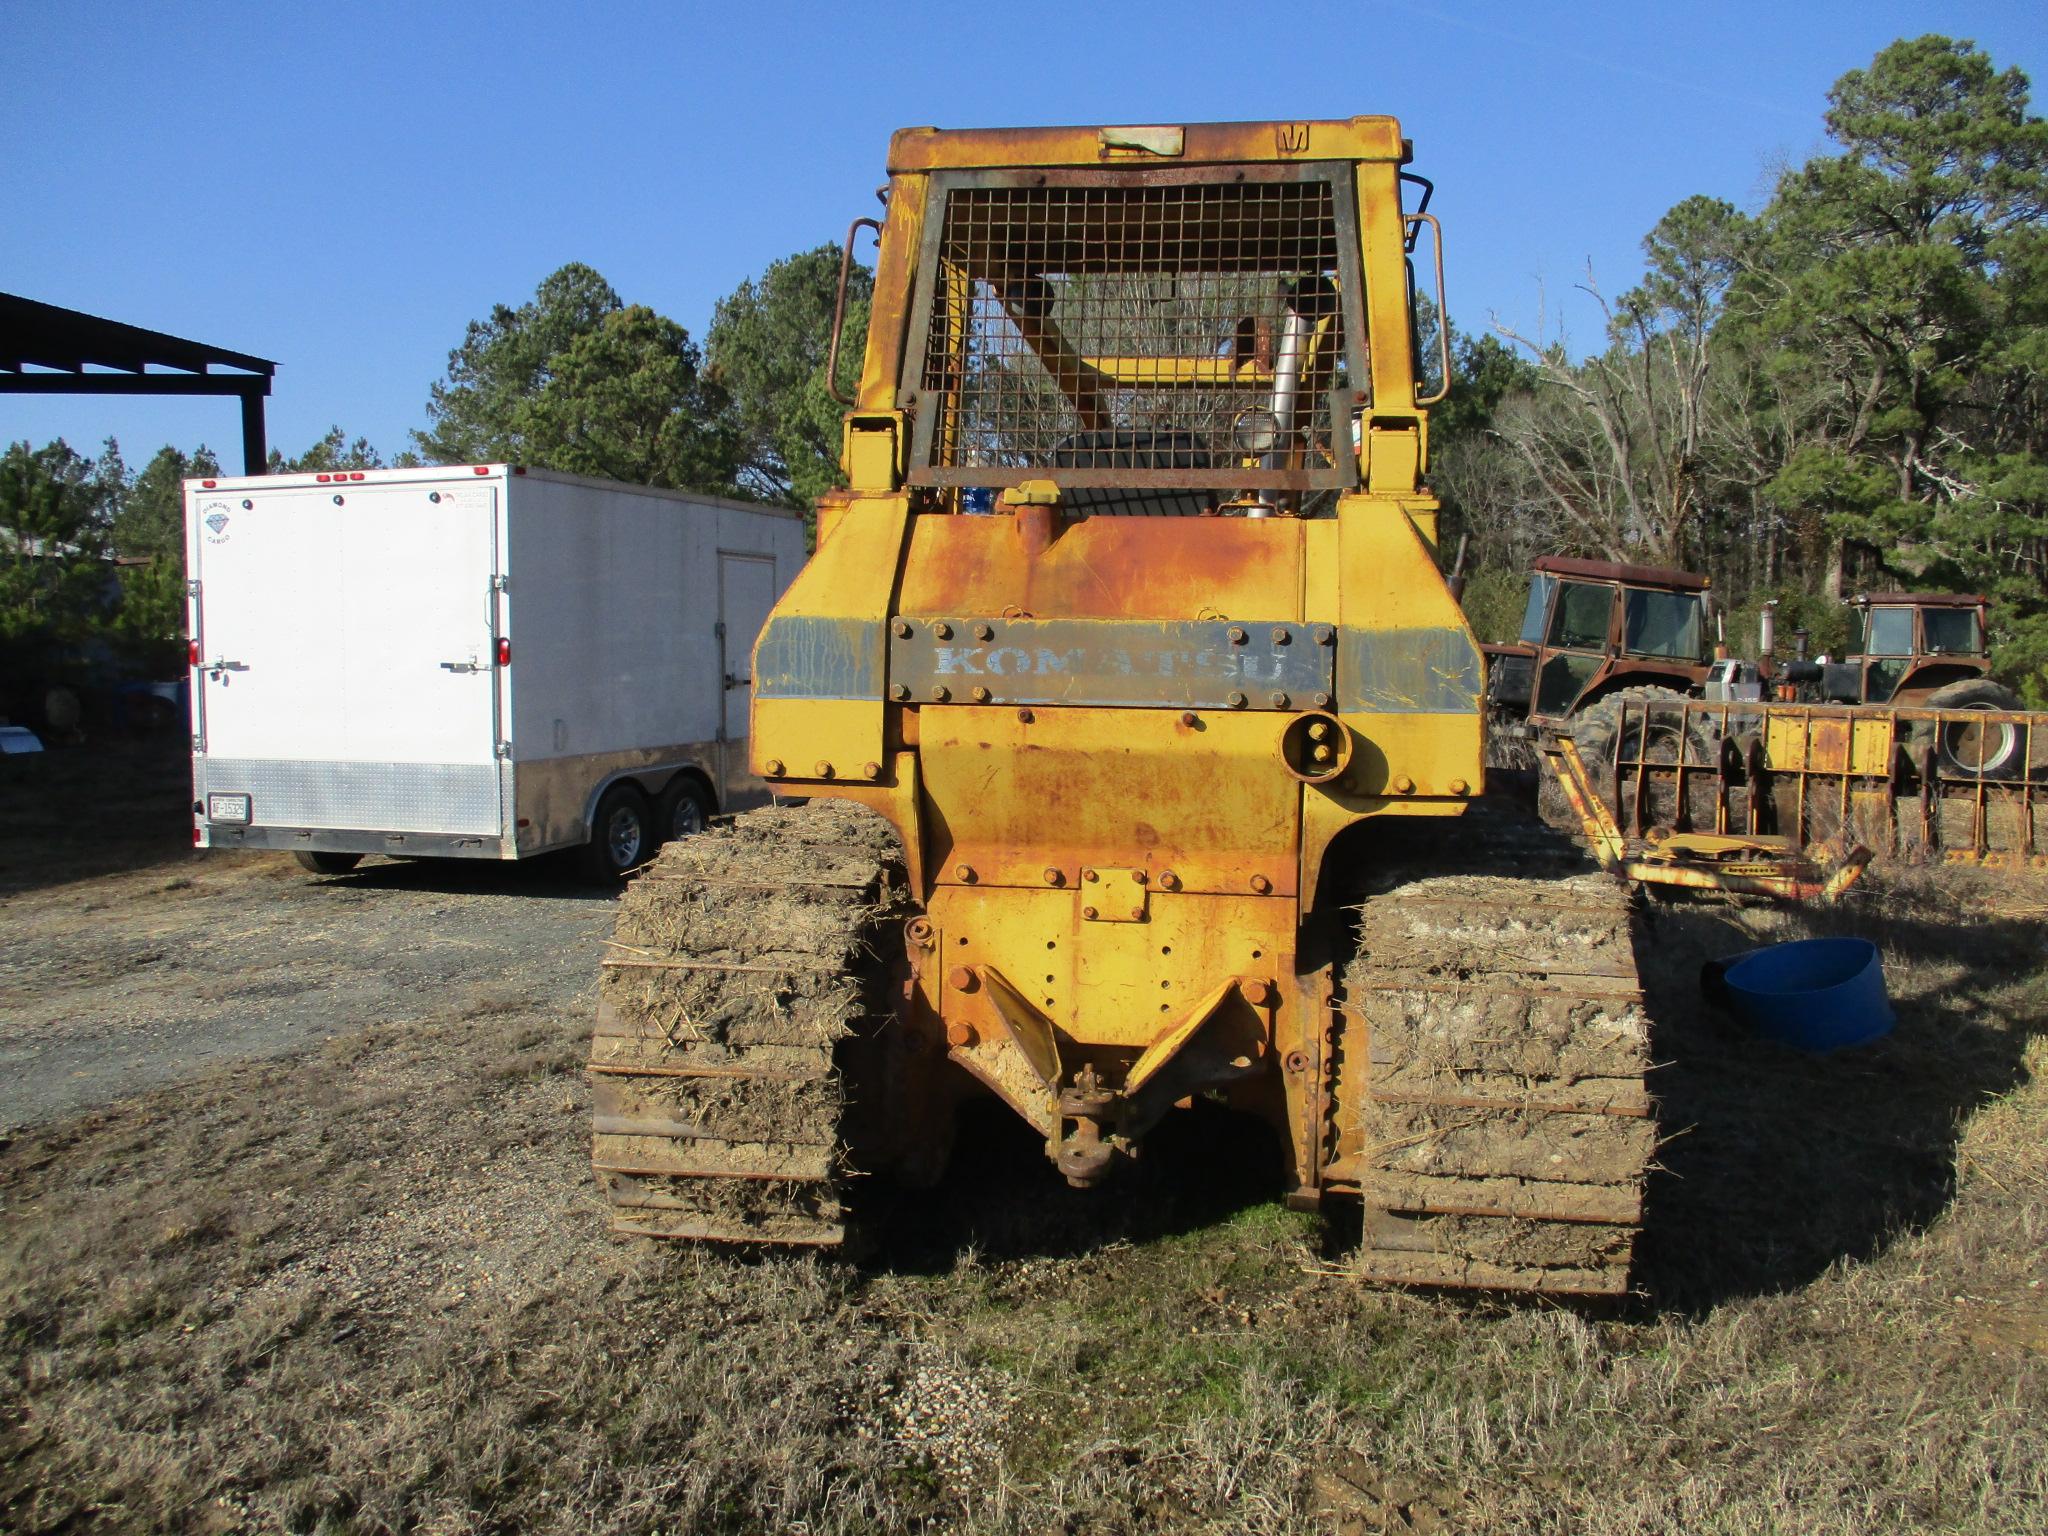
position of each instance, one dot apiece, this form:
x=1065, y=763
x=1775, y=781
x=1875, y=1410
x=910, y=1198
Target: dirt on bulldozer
x=1488, y=1098
x=1506, y=1126
x=743, y=960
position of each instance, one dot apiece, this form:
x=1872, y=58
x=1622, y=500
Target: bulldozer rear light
x=504, y=651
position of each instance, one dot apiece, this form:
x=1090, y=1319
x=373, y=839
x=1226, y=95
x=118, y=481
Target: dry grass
x=367, y=1290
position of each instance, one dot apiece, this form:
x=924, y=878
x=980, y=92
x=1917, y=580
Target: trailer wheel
x=621, y=834
x=685, y=809
x=1970, y=751
x=328, y=863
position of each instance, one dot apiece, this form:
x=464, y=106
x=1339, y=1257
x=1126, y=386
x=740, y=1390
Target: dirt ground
x=173, y=960
x=312, y=1246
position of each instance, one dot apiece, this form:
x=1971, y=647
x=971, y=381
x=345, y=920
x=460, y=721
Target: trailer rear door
x=347, y=653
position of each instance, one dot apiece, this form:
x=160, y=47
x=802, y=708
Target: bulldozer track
x=1503, y=1127
x=743, y=961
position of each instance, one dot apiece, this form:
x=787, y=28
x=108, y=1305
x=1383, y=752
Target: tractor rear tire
x=1990, y=751
x=1594, y=732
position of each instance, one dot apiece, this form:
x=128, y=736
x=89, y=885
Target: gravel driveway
x=127, y=979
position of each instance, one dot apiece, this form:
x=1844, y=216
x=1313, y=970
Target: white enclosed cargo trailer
x=481, y=661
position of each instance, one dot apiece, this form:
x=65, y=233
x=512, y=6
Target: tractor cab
x=1915, y=642
x=1593, y=626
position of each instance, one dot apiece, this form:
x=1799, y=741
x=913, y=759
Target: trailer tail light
x=504, y=651
x=197, y=837
x=191, y=653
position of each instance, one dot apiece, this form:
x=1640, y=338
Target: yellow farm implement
x=1793, y=800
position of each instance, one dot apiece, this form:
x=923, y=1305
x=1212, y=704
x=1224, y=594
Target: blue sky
x=342, y=187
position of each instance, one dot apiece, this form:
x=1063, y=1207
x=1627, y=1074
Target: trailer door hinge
x=501, y=583
x=192, y=587
x=505, y=750
x=718, y=630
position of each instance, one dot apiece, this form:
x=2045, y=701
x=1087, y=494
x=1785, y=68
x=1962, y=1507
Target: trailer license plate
x=228, y=808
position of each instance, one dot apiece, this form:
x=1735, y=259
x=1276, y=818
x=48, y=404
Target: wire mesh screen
x=1171, y=335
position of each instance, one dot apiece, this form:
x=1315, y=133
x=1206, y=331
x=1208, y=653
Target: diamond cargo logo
x=217, y=527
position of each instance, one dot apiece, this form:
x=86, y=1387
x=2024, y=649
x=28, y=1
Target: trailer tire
x=328, y=863
x=684, y=810
x=1990, y=751
x=621, y=834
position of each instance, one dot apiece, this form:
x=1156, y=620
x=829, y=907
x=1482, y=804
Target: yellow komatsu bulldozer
x=1139, y=740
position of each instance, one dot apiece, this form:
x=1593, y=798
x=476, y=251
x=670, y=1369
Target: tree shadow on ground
x=546, y=877
x=79, y=813
x=1002, y=1198
x=1778, y=1163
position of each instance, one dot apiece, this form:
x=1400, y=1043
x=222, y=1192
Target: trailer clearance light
x=481, y=469
x=209, y=484
x=192, y=653
x=504, y=651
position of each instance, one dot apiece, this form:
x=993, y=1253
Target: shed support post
x=255, y=452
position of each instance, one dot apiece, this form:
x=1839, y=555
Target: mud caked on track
x=741, y=960
x=1492, y=1115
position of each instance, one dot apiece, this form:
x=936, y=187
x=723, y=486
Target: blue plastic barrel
x=1816, y=994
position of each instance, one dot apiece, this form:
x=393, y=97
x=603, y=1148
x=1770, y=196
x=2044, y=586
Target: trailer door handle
x=472, y=665
x=738, y=682
x=217, y=666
